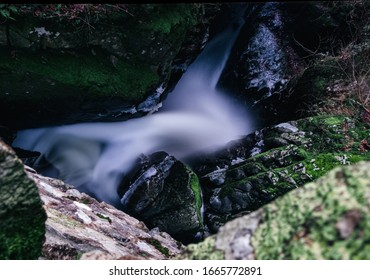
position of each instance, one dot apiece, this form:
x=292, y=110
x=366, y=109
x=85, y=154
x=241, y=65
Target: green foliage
x=7, y=11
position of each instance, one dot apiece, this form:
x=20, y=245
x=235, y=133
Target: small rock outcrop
x=165, y=193
x=22, y=217
x=78, y=226
x=326, y=219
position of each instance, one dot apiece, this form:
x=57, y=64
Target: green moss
x=194, y=184
x=168, y=17
x=103, y=217
x=327, y=143
x=118, y=58
x=22, y=217
x=93, y=75
x=22, y=238
x=85, y=200
x=337, y=120
x=158, y=246
x=304, y=223
x=206, y=250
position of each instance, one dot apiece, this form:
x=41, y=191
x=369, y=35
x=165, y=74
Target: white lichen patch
x=287, y=126
x=81, y=205
x=51, y=190
x=83, y=216
x=237, y=160
x=144, y=247
x=40, y=31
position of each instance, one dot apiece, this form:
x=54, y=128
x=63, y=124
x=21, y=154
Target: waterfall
x=195, y=116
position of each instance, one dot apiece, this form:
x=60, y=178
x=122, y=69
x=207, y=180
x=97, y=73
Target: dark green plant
x=6, y=12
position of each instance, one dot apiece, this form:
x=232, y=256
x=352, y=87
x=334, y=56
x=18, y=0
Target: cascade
x=195, y=116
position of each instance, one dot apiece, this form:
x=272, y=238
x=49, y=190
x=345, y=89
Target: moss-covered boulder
x=164, y=193
x=281, y=158
x=22, y=217
x=327, y=219
x=64, y=63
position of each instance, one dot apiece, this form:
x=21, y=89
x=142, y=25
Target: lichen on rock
x=22, y=217
x=325, y=219
x=78, y=226
x=292, y=154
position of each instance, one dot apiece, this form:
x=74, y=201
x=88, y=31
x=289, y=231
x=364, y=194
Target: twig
x=307, y=49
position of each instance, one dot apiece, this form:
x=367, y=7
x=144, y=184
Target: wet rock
x=22, y=218
x=264, y=57
x=327, y=219
x=164, y=193
x=289, y=155
x=78, y=226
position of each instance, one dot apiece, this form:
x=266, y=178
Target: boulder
x=78, y=226
x=274, y=161
x=22, y=217
x=326, y=219
x=165, y=193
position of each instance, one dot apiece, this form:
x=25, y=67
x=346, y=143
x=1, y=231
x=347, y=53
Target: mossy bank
x=70, y=63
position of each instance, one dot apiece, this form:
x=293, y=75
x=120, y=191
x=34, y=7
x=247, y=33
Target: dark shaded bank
x=72, y=63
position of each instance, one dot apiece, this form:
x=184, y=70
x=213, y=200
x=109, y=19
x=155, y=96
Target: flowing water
x=195, y=116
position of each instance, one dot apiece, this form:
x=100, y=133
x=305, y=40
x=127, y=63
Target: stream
x=196, y=116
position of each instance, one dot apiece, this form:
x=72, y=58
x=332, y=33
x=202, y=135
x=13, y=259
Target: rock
x=22, y=217
x=78, y=225
x=165, y=193
x=288, y=55
x=100, y=255
x=264, y=59
x=289, y=155
x=57, y=69
x=327, y=219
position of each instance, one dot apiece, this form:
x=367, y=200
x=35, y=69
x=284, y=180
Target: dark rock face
x=267, y=68
x=263, y=60
x=22, y=217
x=164, y=193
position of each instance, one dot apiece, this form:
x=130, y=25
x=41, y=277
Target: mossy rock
x=163, y=192
x=22, y=217
x=326, y=219
x=313, y=147
x=56, y=70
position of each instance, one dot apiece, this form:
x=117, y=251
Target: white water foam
x=195, y=116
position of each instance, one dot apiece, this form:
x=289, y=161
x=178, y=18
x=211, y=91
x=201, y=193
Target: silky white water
x=196, y=116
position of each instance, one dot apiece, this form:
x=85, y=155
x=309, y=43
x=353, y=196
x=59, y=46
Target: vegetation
x=337, y=82
x=158, y=246
x=87, y=55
